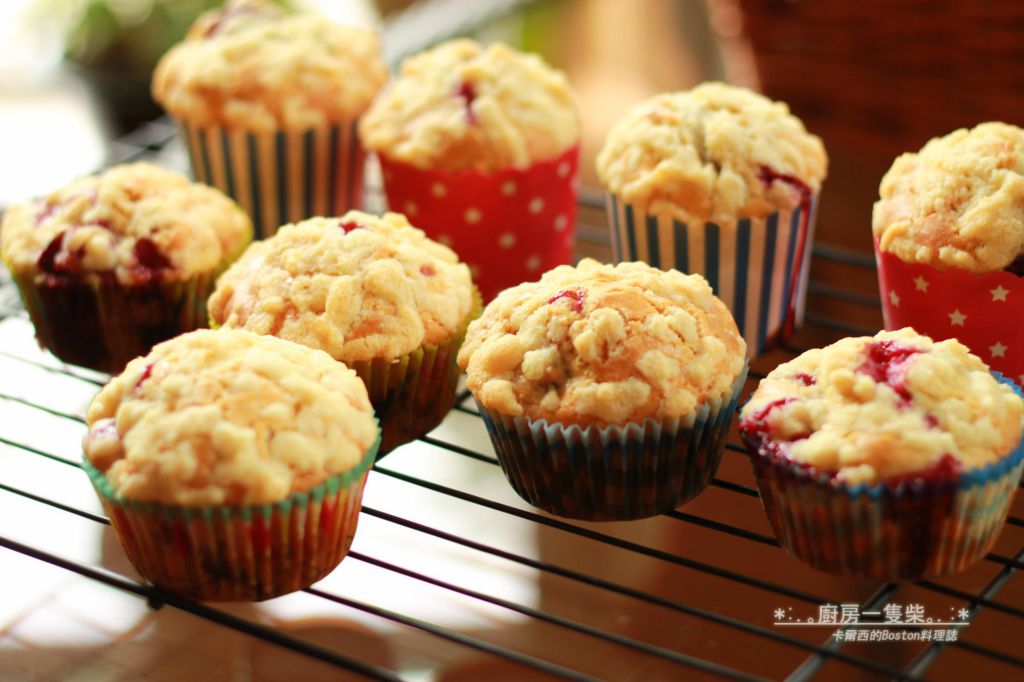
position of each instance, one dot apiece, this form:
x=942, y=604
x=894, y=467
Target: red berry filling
x=767, y=175
x=946, y=469
x=804, y=378
x=577, y=296
x=146, y=374
x=44, y=213
x=47, y=261
x=349, y=225
x=468, y=93
x=149, y=261
x=931, y=421
x=757, y=423
x=886, y=364
x=427, y=271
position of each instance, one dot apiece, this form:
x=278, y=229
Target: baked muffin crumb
x=228, y=418
x=870, y=409
x=602, y=344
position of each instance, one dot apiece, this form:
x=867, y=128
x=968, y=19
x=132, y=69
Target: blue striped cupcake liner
x=617, y=472
x=280, y=177
x=886, y=532
x=758, y=267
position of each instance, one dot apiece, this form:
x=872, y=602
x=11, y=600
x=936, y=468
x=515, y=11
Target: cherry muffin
x=374, y=293
x=268, y=101
x=949, y=240
x=231, y=464
x=724, y=182
x=116, y=262
x=607, y=391
x=479, y=146
x=890, y=457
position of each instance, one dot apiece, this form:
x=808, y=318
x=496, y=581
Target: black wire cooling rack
x=688, y=594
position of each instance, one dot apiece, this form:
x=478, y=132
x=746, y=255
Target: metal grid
x=814, y=658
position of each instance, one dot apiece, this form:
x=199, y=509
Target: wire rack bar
x=158, y=598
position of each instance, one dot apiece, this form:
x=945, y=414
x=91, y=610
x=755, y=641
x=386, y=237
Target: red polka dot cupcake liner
x=509, y=225
x=981, y=310
x=280, y=177
x=248, y=553
x=412, y=395
x=757, y=266
x=927, y=526
x=613, y=473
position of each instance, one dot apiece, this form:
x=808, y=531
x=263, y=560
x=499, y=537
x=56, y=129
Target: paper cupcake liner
x=886, y=532
x=412, y=395
x=982, y=310
x=104, y=325
x=246, y=553
x=509, y=226
x=759, y=267
x=613, y=473
x=280, y=177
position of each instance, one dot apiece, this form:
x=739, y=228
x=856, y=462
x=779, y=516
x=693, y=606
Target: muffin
x=949, y=241
x=113, y=263
x=232, y=465
x=607, y=390
x=889, y=457
x=373, y=293
x=268, y=102
x=721, y=181
x=479, y=146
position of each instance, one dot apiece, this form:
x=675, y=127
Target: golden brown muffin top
x=252, y=66
x=228, y=418
x=870, y=408
x=358, y=287
x=716, y=152
x=959, y=202
x=601, y=344
x=137, y=221
x=462, y=106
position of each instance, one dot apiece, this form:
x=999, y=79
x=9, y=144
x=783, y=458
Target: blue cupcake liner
x=887, y=532
x=757, y=266
x=617, y=472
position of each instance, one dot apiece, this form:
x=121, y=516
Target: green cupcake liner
x=247, y=553
x=887, y=532
x=412, y=394
x=618, y=472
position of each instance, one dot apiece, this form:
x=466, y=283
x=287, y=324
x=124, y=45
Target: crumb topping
x=228, y=418
x=602, y=344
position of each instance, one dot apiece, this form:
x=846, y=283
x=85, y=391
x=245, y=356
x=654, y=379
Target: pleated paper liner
x=984, y=311
x=98, y=323
x=887, y=532
x=613, y=473
x=758, y=267
x=412, y=395
x=246, y=553
x=104, y=325
x=281, y=177
x=509, y=226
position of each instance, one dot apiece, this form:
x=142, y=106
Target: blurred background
x=872, y=78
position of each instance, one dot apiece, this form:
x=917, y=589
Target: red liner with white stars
x=982, y=310
x=509, y=226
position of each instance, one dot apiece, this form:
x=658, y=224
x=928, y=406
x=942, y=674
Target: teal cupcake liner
x=246, y=553
x=887, y=532
x=617, y=472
